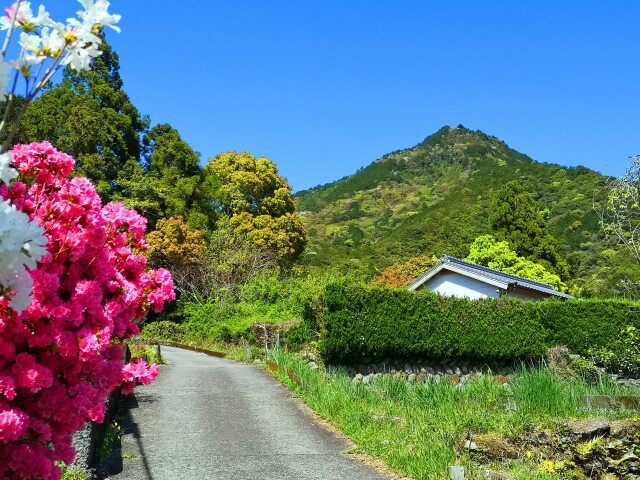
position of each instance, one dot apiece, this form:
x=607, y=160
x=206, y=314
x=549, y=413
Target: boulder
x=589, y=428
x=494, y=447
x=456, y=472
x=625, y=428
x=491, y=475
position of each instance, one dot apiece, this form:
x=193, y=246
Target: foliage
x=258, y=202
x=147, y=353
x=168, y=181
x=435, y=417
x=586, y=369
x=112, y=435
x=174, y=243
x=584, y=324
x=271, y=297
x=620, y=217
x=61, y=357
x=621, y=355
x=486, y=250
x=401, y=275
x=517, y=218
x=435, y=199
x=234, y=260
x=181, y=250
x=72, y=473
x=163, y=330
x=90, y=117
x=375, y=323
x=366, y=323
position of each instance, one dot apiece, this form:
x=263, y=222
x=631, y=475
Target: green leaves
x=487, y=251
x=259, y=203
x=367, y=323
x=517, y=218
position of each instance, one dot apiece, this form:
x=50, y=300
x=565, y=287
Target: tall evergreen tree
x=168, y=181
x=91, y=117
x=516, y=218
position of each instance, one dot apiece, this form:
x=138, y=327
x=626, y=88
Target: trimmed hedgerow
x=367, y=323
x=584, y=324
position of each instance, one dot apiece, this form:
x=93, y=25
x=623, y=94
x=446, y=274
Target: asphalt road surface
x=210, y=418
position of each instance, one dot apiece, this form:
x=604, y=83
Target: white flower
x=22, y=244
x=20, y=284
x=24, y=17
x=83, y=51
x=30, y=41
x=97, y=14
x=53, y=43
x=6, y=172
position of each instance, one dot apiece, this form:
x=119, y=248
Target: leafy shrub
x=622, y=355
x=164, y=330
x=72, y=473
x=586, y=370
x=359, y=322
x=146, y=352
x=296, y=336
x=582, y=325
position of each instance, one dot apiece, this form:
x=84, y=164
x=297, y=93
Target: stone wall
x=457, y=369
x=88, y=440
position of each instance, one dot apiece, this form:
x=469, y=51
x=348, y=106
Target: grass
x=417, y=428
x=72, y=473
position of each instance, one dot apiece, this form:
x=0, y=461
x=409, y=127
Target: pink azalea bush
x=62, y=356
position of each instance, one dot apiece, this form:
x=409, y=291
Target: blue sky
x=325, y=87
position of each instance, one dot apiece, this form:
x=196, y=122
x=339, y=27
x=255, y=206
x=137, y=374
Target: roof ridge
x=449, y=258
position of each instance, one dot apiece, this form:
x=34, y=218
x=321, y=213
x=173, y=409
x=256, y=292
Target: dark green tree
x=91, y=117
x=168, y=181
x=516, y=218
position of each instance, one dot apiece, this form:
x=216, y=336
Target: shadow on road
x=113, y=464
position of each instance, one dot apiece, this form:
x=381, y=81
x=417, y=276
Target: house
x=456, y=278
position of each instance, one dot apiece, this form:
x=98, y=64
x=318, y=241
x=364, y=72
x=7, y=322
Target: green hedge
x=367, y=323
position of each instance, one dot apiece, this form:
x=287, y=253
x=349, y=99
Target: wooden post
x=278, y=341
x=158, y=351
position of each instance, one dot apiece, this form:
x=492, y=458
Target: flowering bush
x=45, y=47
x=61, y=356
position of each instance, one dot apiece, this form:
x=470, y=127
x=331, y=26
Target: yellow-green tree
x=173, y=242
x=258, y=202
x=181, y=250
x=486, y=250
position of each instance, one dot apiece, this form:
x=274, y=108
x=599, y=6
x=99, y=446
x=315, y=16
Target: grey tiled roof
x=490, y=273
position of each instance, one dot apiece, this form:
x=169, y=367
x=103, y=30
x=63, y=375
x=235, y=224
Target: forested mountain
x=436, y=198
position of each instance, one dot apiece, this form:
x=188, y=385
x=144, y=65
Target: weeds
x=417, y=429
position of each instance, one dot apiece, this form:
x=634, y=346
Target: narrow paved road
x=209, y=418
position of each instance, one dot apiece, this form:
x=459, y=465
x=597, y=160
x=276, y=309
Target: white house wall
x=453, y=284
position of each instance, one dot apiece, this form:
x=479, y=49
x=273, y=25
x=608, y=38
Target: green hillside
x=435, y=198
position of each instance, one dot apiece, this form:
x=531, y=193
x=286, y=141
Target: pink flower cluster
x=62, y=356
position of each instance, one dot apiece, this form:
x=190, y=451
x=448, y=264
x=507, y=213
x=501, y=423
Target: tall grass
x=417, y=428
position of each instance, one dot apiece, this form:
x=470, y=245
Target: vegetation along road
x=210, y=418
